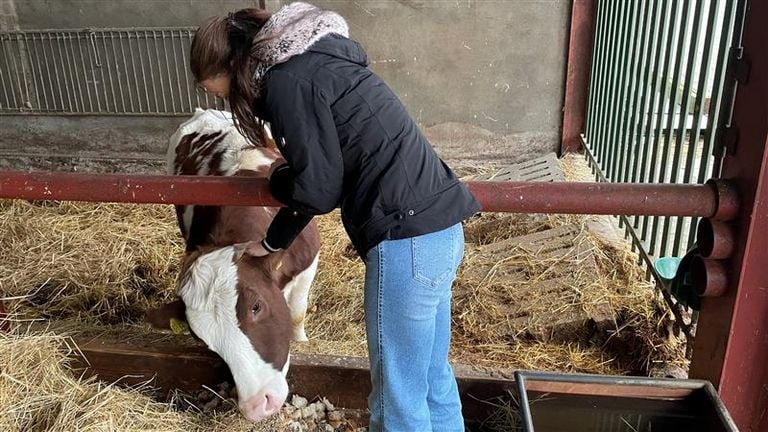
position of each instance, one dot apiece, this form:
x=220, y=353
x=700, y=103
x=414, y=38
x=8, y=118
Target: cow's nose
x=261, y=406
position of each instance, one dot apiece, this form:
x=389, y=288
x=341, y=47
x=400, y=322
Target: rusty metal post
x=577, y=76
x=715, y=239
x=709, y=277
x=731, y=348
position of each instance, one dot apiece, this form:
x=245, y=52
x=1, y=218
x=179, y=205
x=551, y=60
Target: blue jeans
x=408, y=324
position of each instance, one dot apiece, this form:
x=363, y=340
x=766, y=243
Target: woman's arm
x=311, y=180
x=303, y=126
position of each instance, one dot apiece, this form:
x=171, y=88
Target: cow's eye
x=256, y=308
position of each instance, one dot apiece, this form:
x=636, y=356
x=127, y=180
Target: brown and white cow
x=245, y=308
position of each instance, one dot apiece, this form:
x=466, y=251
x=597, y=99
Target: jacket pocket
x=434, y=257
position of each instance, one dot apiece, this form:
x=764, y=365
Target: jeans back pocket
x=434, y=257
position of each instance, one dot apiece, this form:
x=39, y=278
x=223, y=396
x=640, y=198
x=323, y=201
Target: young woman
x=348, y=142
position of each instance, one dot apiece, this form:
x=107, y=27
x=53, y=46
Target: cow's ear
x=273, y=262
x=169, y=316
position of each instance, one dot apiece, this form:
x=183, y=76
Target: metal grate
x=99, y=72
x=656, y=101
x=545, y=168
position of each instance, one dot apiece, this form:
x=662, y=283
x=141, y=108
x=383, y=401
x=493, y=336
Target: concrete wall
x=85, y=143
x=489, y=73
x=8, y=18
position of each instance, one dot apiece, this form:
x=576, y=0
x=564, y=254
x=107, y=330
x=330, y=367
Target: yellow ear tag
x=179, y=326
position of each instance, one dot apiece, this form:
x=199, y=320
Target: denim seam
x=379, y=313
x=417, y=269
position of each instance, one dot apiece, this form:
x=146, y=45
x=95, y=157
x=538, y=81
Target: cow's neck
x=224, y=226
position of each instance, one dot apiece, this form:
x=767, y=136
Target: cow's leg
x=296, y=294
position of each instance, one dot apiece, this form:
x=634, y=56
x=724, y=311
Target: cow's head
x=233, y=302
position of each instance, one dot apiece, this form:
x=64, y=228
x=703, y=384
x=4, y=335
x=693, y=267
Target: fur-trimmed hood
x=291, y=31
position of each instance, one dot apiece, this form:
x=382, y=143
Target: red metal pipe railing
x=139, y=189
x=596, y=198
x=514, y=197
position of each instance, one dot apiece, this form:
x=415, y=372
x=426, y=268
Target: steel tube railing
x=517, y=197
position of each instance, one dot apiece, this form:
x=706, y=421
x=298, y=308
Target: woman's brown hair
x=223, y=45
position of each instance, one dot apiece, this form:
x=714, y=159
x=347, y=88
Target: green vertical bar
x=621, y=71
x=605, y=106
x=693, y=45
x=649, y=65
x=639, y=55
x=714, y=122
x=639, y=85
x=602, y=78
x=613, y=64
x=691, y=77
x=726, y=24
x=685, y=103
x=731, y=84
x=682, y=54
x=610, y=143
x=593, y=76
x=618, y=89
x=632, y=60
x=661, y=93
x=660, y=45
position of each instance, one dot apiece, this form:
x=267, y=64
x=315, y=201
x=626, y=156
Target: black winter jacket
x=349, y=142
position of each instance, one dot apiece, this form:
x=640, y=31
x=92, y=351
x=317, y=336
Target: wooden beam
x=181, y=362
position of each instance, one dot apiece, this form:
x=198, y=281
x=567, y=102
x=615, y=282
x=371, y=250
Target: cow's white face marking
x=256, y=160
x=296, y=294
x=209, y=291
x=189, y=212
x=286, y=365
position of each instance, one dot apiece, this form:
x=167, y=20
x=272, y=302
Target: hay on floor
x=39, y=392
x=100, y=262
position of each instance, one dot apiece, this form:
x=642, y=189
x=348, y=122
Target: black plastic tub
x=552, y=402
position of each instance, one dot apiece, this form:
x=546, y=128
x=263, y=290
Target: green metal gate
x=657, y=104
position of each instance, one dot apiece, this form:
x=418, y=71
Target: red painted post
x=577, y=75
x=731, y=348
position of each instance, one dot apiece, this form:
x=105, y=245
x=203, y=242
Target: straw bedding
x=37, y=392
x=107, y=263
